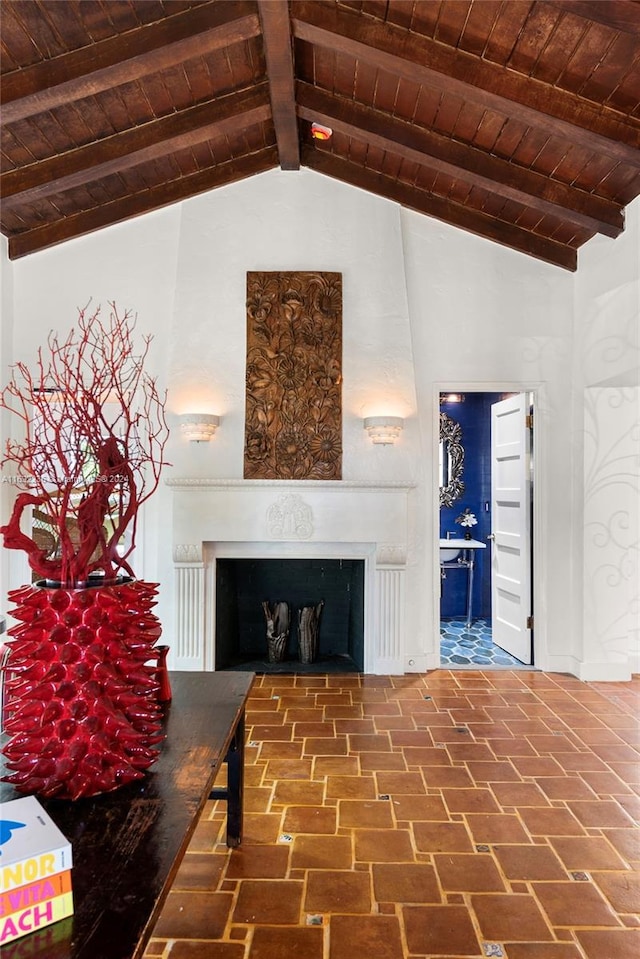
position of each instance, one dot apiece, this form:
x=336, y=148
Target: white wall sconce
x=199, y=427
x=384, y=430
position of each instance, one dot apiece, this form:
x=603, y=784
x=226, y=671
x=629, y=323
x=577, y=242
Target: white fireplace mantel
x=221, y=518
x=199, y=482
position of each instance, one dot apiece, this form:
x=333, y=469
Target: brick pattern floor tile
x=452, y=814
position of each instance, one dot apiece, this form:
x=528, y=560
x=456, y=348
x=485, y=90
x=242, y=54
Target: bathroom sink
x=450, y=548
x=448, y=553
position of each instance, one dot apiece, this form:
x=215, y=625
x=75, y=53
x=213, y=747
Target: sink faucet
x=449, y=534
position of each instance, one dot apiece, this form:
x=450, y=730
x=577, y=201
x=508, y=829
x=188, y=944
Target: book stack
x=35, y=870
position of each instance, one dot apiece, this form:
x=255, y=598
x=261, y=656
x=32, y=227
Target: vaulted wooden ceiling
x=517, y=120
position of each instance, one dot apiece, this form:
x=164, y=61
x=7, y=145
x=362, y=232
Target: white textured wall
x=292, y=221
x=607, y=386
x=183, y=270
x=611, y=571
x=425, y=306
x=487, y=318
x=132, y=264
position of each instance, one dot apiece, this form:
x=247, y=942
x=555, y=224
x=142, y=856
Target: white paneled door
x=511, y=521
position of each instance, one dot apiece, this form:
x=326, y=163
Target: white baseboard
x=592, y=672
x=562, y=664
x=417, y=663
x=387, y=667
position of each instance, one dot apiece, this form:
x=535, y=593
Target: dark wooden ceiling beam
x=226, y=115
x=425, y=61
x=622, y=15
x=127, y=57
x=460, y=161
x=276, y=37
x=473, y=221
x=126, y=208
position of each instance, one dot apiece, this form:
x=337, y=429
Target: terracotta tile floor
x=452, y=814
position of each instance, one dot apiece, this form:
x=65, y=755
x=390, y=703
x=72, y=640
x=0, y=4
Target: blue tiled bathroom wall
x=474, y=417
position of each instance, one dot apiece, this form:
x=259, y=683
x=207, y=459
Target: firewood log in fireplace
x=278, y=626
x=308, y=628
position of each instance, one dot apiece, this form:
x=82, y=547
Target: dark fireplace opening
x=242, y=585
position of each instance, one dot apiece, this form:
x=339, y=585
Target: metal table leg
x=235, y=785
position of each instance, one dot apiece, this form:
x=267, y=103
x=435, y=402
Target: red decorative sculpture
x=82, y=680
x=94, y=436
x=82, y=707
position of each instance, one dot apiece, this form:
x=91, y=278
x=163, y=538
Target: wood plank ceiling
x=516, y=120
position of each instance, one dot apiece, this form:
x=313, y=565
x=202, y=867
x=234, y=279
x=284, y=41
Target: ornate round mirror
x=451, y=461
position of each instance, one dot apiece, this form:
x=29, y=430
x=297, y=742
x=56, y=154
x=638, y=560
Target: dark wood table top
x=127, y=845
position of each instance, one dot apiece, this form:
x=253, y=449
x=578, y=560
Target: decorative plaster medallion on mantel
x=290, y=518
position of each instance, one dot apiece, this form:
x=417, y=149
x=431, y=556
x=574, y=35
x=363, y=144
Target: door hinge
x=529, y=622
x=529, y=421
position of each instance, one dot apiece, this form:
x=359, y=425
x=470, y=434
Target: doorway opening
x=486, y=529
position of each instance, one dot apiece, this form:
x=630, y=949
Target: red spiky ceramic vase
x=82, y=694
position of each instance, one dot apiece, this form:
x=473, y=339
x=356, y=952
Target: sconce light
x=198, y=427
x=384, y=429
x=451, y=398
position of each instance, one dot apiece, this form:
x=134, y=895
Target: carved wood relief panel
x=293, y=424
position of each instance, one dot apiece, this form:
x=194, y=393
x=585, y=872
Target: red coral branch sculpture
x=94, y=434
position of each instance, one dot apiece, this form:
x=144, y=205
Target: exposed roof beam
x=119, y=152
x=406, y=55
x=129, y=56
x=276, y=37
x=507, y=234
x=622, y=15
x=80, y=224
x=460, y=161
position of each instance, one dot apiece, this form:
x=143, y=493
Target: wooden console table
x=127, y=845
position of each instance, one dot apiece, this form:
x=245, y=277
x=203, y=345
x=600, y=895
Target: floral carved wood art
x=293, y=427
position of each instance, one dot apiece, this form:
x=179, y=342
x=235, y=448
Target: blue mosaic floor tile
x=465, y=646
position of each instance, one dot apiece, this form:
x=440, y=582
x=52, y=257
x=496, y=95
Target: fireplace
x=361, y=526
x=243, y=584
